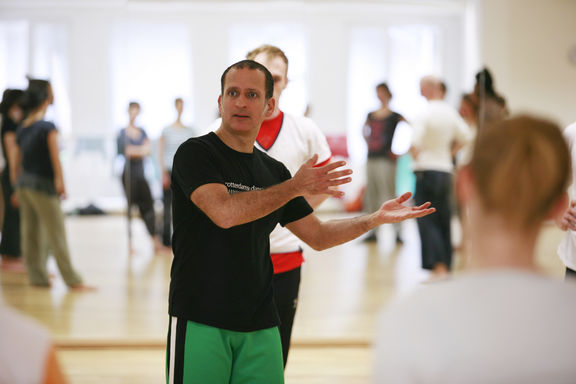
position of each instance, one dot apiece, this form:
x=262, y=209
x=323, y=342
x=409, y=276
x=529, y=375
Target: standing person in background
x=293, y=140
x=439, y=131
x=171, y=138
x=468, y=109
x=378, y=133
x=40, y=187
x=567, y=248
x=503, y=320
x=134, y=145
x=491, y=105
x=11, y=115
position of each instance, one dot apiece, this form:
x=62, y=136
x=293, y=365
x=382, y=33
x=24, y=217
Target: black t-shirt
x=33, y=143
x=379, y=134
x=223, y=277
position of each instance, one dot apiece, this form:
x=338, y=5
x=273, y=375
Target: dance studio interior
x=101, y=55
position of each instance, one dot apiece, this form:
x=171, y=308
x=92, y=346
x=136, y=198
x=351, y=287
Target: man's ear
x=220, y=104
x=560, y=206
x=270, y=106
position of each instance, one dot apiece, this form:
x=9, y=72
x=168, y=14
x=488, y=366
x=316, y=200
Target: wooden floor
x=117, y=334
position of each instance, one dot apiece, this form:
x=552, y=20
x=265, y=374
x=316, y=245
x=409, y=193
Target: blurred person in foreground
x=228, y=197
x=27, y=353
x=567, y=247
x=503, y=320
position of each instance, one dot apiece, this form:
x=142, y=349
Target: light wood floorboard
x=117, y=334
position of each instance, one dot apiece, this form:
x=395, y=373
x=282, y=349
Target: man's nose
x=241, y=101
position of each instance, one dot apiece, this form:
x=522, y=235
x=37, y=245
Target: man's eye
x=232, y=93
x=252, y=95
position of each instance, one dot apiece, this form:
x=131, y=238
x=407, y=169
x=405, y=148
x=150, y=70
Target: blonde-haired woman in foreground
x=502, y=320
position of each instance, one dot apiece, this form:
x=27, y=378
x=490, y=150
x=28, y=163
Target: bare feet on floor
x=83, y=288
x=15, y=265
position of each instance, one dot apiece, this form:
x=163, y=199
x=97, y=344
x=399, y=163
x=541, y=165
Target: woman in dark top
x=378, y=133
x=134, y=145
x=11, y=115
x=40, y=187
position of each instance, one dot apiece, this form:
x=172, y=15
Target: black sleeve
x=195, y=165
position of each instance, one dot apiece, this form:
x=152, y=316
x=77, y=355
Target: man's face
x=278, y=69
x=243, y=105
x=179, y=105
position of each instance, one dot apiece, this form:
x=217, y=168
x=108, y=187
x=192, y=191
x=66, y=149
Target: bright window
x=151, y=64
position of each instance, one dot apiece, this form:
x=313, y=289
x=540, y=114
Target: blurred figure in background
x=40, y=187
x=439, y=131
x=27, y=354
x=134, y=145
x=11, y=115
x=567, y=248
x=491, y=105
x=503, y=321
x=378, y=133
x=171, y=138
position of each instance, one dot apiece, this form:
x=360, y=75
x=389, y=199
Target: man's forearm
x=239, y=208
x=321, y=235
x=340, y=231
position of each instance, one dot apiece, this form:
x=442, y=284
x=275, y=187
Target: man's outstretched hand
x=393, y=211
x=311, y=180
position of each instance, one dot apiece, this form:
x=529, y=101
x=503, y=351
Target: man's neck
x=274, y=114
x=239, y=143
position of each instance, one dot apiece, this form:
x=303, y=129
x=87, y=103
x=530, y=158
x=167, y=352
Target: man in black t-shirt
x=227, y=198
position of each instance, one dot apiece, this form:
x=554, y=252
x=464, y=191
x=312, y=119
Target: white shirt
x=567, y=247
x=435, y=130
x=298, y=140
x=24, y=348
x=173, y=137
x=499, y=326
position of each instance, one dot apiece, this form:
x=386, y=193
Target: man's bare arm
x=323, y=235
x=227, y=210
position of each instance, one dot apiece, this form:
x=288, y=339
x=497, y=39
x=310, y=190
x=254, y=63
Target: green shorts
x=198, y=353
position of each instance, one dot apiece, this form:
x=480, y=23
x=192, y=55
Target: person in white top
x=503, y=320
x=27, y=355
x=567, y=248
x=171, y=138
x=439, y=131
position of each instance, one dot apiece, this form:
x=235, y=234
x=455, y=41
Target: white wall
x=89, y=25
x=526, y=43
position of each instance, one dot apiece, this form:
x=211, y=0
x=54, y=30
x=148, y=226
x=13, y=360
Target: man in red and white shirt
x=292, y=140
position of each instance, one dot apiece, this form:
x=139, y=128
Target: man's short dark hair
x=251, y=64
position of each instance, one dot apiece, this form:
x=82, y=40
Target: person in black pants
x=134, y=145
x=11, y=113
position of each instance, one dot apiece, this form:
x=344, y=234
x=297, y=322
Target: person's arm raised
x=323, y=235
x=227, y=210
